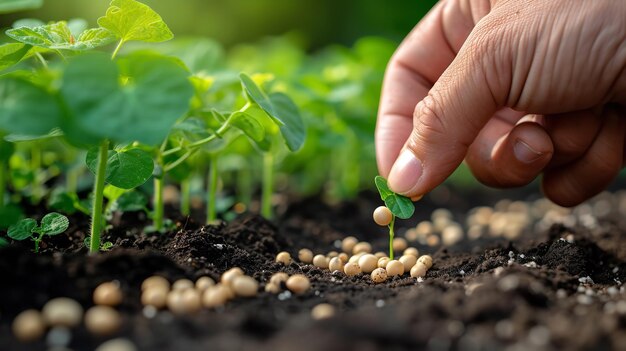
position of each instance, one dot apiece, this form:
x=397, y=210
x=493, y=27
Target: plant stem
x=71, y=180
x=185, y=196
x=42, y=60
x=117, y=49
x=98, y=189
x=268, y=185
x=158, y=204
x=3, y=184
x=211, y=214
x=37, y=240
x=391, y=234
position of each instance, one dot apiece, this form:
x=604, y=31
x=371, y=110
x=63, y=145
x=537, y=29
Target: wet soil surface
x=556, y=289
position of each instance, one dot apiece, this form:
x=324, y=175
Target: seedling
x=51, y=224
x=399, y=206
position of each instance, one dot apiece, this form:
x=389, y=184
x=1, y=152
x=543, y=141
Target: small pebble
x=298, y=283
x=305, y=255
x=102, y=320
x=28, y=326
x=284, y=258
x=379, y=275
x=108, y=294
x=62, y=311
x=119, y=344
x=323, y=311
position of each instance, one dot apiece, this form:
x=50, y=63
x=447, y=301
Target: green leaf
x=18, y=112
x=16, y=138
x=112, y=193
x=293, y=129
x=6, y=151
x=28, y=22
x=132, y=20
x=58, y=36
x=400, y=206
x=54, y=223
x=63, y=201
x=125, y=169
x=247, y=124
x=132, y=201
x=256, y=95
x=23, y=229
x=8, y=6
x=9, y=215
x=12, y=53
x=3, y=242
x=137, y=99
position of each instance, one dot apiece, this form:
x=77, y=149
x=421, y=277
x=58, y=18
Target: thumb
x=450, y=117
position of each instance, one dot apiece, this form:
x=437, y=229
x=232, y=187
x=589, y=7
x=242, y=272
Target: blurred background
x=318, y=23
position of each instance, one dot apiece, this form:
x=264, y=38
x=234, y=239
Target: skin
x=516, y=88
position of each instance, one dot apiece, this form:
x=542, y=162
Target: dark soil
x=481, y=295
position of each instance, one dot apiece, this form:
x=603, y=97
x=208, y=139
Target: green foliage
x=12, y=53
x=400, y=206
x=51, y=224
x=7, y=6
x=3, y=242
x=132, y=20
x=58, y=36
x=126, y=169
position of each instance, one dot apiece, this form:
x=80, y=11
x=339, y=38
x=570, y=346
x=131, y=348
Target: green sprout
x=51, y=224
x=400, y=206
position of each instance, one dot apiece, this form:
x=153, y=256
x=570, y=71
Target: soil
x=548, y=290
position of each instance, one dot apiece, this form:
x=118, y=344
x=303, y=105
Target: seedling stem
x=212, y=191
x=391, y=234
x=98, y=193
x=268, y=185
x=158, y=203
x=117, y=49
x=185, y=196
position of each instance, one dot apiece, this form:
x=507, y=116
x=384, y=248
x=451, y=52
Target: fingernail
x=525, y=153
x=405, y=172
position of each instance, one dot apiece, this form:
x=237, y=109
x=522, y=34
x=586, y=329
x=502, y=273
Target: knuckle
x=428, y=119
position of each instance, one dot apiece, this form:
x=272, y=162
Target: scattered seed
x=28, y=326
x=283, y=257
x=155, y=296
x=245, y=286
x=155, y=280
x=382, y=216
x=382, y=262
x=379, y=275
x=411, y=251
x=399, y=244
x=62, y=311
x=102, y=320
x=117, y=345
x=348, y=243
x=108, y=294
x=419, y=270
x=362, y=246
x=355, y=258
x=335, y=264
x=305, y=255
x=229, y=275
x=432, y=240
x=394, y=268
x=343, y=257
x=216, y=296
x=368, y=263
x=408, y=261
x=278, y=278
x=183, y=302
x=380, y=254
x=351, y=268
x=332, y=254
x=298, y=283
x=320, y=261
x=323, y=311
x=272, y=288
x=426, y=260
x=204, y=283
x=183, y=284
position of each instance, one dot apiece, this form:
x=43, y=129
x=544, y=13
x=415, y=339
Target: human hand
x=516, y=88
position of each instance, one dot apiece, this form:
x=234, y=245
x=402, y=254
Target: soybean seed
x=355, y=258
x=362, y=246
x=379, y=275
x=380, y=254
x=102, y=320
x=332, y=254
x=216, y=296
x=182, y=284
x=394, y=268
x=351, y=268
x=322, y=311
x=335, y=264
x=382, y=216
x=408, y=261
x=28, y=326
x=62, y=311
x=155, y=296
x=305, y=255
x=229, y=275
x=382, y=262
x=245, y=286
x=419, y=270
x=368, y=263
x=348, y=243
x=107, y=294
x=117, y=345
x=283, y=257
x=343, y=257
x=298, y=283
x=411, y=251
x=278, y=278
x=184, y=302
x=399, y=244
x=155, y=280
x=272, y=288
x=426, y=260
x=204, y=283
x=320, y=261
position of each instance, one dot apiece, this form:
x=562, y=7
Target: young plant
x=51, y=224
x=397, y=205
